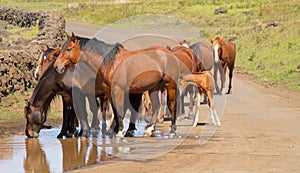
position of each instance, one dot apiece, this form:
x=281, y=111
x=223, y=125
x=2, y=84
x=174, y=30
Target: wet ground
x=49, y=154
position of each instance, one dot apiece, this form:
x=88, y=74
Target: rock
x=246, y=13
x=233, y=38
x=220, y=10
x=298, y=66
x=272, y=24
x=261, y=66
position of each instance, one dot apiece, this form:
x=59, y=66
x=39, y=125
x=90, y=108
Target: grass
x=276, y=49
x=12, y=106
x=18, y=32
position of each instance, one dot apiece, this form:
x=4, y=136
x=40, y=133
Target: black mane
x=107, y=51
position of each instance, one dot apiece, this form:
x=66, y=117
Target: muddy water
x=49, y=154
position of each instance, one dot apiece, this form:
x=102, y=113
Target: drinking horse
x=50, y=54
x=49, y=85
x=224, y=56
x=125, y=72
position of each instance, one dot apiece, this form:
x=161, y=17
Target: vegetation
x=267, y=30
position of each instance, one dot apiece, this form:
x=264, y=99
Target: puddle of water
x=49, y=154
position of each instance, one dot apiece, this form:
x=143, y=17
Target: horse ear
x=44, y=48
x=180, y=42
x=68, y=36
x=221, y=39
x=55, y=52
x=168, y=47
x=73, y=37
x=211, y=40
x=188, y=42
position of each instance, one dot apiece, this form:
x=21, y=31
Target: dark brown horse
x=50, y=84
x=125, y=72
x=224, y=54
x=50, y=54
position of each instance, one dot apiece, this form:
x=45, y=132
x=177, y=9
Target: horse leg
x=66, y=119
x=191, y=104
x=119, y=113
x=149, y=129
x=216, y=70
x=162, y=105
x=103, y=105
x=94, y=104
x=171, y=93
x=81, y=112
x=135, y=101
x=223, y=76
x=230, y=78
x=196, y=119
x=213, y=113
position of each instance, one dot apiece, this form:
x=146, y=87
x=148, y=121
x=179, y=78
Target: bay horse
x=205, y=84
x=188, y=65
x=203, y=55
x=224, y=56
x=125, y=72
x=49, y=85
x=50, y=54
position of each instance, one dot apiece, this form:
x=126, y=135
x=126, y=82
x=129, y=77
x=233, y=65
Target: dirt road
x=260, y=133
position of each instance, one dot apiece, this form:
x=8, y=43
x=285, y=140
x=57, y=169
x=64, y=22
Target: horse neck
x=43, y=93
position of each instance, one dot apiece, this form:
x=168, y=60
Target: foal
x=205, y=84
x=224, y=54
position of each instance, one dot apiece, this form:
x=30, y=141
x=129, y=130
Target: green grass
x=12, y=106
x=18, y=32
x=277, y=48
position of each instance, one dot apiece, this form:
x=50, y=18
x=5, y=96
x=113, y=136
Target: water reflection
x=35, y=160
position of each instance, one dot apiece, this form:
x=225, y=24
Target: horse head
x=48, y=55
x=69, y=54
x=35, y=120
x=217, y=48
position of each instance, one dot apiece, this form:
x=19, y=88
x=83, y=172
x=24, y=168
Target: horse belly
x=144, y=81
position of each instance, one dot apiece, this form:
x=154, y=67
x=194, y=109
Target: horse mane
x=39, y=87
x=107, y=51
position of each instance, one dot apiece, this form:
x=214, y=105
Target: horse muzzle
x=60, y=69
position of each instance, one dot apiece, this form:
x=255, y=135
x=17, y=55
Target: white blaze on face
x=216, y=54
x=185, y=45
x=36, y=72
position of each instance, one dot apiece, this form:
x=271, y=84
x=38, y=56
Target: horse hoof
x=95, y=128
x=203, y=103
x=120, y=134
x=172, y=135
x=60, y=136
x=129, y=134
x=149, y=130
x=195, y=124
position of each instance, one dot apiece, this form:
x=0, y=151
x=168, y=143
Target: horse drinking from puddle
x=224, y=55
x=50, y=84
x=125, y=72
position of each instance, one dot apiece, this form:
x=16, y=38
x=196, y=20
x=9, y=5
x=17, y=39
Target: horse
x=224, y=56
x=203, y=57
x=50, y=54
x=125, y=72
x=187, y=65
x=49, y=85
x=205, y=84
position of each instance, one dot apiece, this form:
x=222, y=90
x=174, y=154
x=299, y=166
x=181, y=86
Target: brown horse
x=187, y=65
x=205, y=84
x=224, y=54
x=50, y=54
x=125, y=72
x=50, y=84
x=203, y=57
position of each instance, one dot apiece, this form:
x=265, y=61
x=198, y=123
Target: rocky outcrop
x=17, y=65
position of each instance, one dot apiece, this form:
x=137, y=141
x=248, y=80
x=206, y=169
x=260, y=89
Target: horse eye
x=69, y=49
